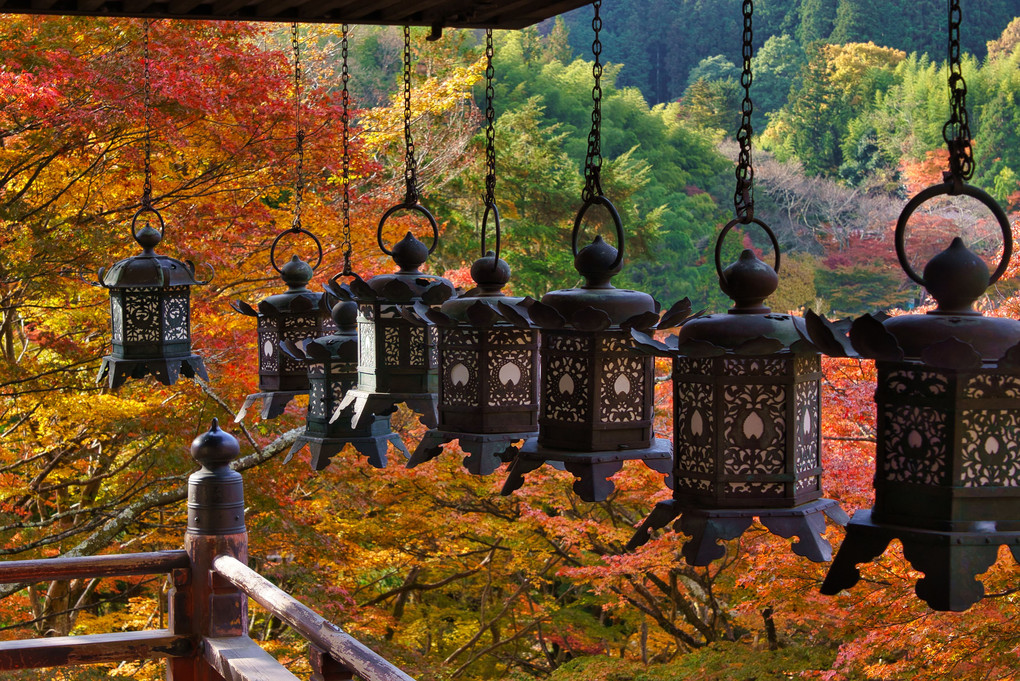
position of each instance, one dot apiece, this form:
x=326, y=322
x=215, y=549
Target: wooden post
x=201, y=603
x=325, y=667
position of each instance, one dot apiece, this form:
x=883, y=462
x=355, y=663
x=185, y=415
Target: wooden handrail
x=85, y=567
x=343, y=647
x=59, y=651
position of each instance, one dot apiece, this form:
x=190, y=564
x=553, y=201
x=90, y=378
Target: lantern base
x=950, y=561
x=706, y=527
x=166, y=370
x=373, y=445
x=364, y=402
x=485, y=452
x=592, y=469
x=273, y=403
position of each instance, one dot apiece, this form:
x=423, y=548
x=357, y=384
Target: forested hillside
x=659, y=62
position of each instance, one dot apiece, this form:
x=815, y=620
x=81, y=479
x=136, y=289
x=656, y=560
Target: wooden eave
x=510, y=14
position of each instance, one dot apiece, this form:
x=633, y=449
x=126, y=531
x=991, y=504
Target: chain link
x=743, y=198
x=147, y=186
x=490, y=120
x=345, y=77
x=299, y=135
x=410, y=169
x=956, y=131
x=593, y=161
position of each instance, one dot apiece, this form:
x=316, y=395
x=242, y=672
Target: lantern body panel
x=396, y=356
x=596, y=392
x=489, y=380
x=948, y=455
x=150, y=322
x=278, y=371
x=746, y=431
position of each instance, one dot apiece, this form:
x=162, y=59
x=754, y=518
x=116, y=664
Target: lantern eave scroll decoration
x=746, y=416
x=947, y=459
x=488, y=385
x=397, y=357
x=332, y=368
x=596, y=387
x=295, y=315
x=150, y=310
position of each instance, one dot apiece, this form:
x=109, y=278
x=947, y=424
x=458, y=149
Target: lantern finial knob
x=490, y=273
x=296, y=273
x=345, y=315
x=215, y=448
x=749, y=281
x=148, y=238
x=956, y=278
x=409, y=253
x=597, y=263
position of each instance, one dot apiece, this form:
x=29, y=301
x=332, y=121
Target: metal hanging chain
x=345, y=78
x=490, y=120
x=299, y=135
x=410, y=170
x=743, y=198
x=593, y=161
x=956, y=131
x=147, y=186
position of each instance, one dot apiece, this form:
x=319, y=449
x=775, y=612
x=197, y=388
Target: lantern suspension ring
x=726, y=230
x=950, y=188
x=743, y=198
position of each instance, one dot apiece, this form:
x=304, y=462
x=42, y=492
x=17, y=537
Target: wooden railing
x=207, y=634
x=60, y=651
x=350, y=655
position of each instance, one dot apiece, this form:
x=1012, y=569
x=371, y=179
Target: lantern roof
x=296, y=273
x=597, y=304
x=148, y=269
x=435, y=13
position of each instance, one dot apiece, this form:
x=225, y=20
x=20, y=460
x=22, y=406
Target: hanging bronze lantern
x=297, y=313
x=488, y=386
x=947, y=458
x=746, y=417
x=332, y=370
x=294, y=315
x=397, y=359
x=596, y=387
x=150, y=313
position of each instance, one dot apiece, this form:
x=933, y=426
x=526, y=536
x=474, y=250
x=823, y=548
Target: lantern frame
x=332, y=366
x=746, y=421
x=488, y=387
x=595, y=399
x=150, y=312
x=947, y=457
x=293, y=315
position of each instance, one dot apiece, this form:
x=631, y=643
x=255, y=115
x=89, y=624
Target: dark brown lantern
x=488, y=387
x=596, y=387
x=150, y=313
x=293, y=315
x=332, y=368
x=746, y=422
x=947, y=461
